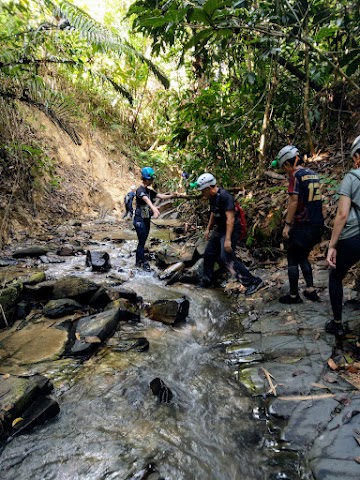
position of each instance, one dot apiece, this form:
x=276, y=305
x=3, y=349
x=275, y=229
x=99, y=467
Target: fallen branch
x=271, y=384
x=3, y=315
x=300, y=398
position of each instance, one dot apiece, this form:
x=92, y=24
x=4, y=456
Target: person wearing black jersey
x=304, y=222
x=145, y=209
x=224, y=226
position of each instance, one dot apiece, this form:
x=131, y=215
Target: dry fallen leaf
x=6, y=375
x=352, y=369
x=17, y=420
x=358, y=440
x=77, y=336
x=357, y=460
x=332, y=364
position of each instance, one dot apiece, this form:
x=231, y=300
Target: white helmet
x=286, y=153
x=205, y=180
x=133, y=187
x=355, y=146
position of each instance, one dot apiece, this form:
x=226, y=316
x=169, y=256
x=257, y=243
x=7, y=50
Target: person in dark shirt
x=145, y=209
x=128, y=202
x=304, y=222
x=224, y=226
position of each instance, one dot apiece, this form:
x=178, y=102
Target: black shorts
x=305, y=237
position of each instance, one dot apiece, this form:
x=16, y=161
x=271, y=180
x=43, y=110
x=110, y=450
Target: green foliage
x=234, y=52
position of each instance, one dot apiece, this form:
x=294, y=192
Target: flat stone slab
x=32, y=344
x=296, y=346
x=334, y=468
x=308, y=420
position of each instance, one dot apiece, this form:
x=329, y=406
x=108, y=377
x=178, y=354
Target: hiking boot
x=336, y=328
x=254, y=286
x=146, y=267
x=289, y=299
x=313, y=296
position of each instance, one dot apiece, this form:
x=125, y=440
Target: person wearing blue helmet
x=145, y=209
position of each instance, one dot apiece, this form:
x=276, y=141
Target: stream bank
x=224, y=421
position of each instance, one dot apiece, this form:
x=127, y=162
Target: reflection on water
x=111, y=425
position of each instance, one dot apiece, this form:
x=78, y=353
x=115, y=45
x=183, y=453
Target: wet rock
x=33, y=279
x=7, y=262
x=18, y=393
x=35, y=251
x=147, y=473
x=170, y=271
x=140, y=344
x=23, y=309
x=167, y=255
x=193, y=274
x=169, y=312
x=308, y=421
x=98, y=261
x=128, y=294
x=40, y=291
x=101, y=325
x=9, y=298
x=37, y=413
x=163, y=393
x=66, y=251
x=59, y=308
x=79, y=289
x=100, y=300
x=31, y=344
x=127, y=310
x=51, y=258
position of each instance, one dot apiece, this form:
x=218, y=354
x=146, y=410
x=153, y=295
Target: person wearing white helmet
x=225, y=227
x=304, y=222
x=344, y=245
x=128, y=202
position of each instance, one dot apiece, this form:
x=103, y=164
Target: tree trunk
x=266, y=120
x=306, y=99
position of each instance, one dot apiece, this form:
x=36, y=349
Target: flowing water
x=111, y=426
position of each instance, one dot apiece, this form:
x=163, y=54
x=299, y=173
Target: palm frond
x=43, y=96
x=120, y=89
x=97, y=34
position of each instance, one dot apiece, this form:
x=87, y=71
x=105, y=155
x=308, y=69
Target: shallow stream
x=111, y=426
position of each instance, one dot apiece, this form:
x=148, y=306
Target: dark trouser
x=348, y=253
x=142, y=227
x=129, y=210
x=302, y=240
x=215, y=252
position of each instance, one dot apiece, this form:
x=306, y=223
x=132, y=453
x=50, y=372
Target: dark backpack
x=242, y=220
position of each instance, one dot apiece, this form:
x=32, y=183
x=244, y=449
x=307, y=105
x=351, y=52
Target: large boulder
x=61, y=307
x=77, y=288
x=35, y=251
x=98, y=261
x=92, y=331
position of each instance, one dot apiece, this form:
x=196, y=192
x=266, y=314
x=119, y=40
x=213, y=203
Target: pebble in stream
x=163, y=392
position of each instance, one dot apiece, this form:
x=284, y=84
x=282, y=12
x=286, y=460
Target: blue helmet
x=147, y=173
